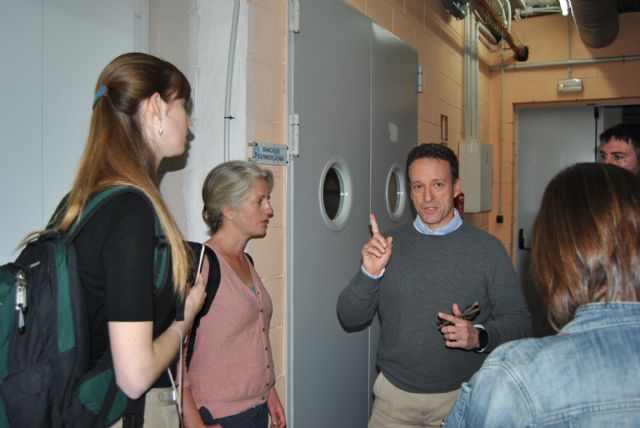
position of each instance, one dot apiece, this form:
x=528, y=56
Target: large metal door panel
x=548, y=139
x=394, y=128
x=327, y=367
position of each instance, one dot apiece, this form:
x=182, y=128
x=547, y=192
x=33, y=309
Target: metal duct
x=597, y=21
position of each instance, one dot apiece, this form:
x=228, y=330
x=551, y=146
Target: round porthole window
x=335, y=193
x=396, y=195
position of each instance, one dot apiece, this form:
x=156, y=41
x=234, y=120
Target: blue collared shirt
x=585, y=376
x=453, y=225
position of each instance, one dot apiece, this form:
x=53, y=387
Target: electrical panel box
x=476, y=174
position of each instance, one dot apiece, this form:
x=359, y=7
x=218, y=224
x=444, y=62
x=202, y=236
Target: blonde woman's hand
x=276, y=411
x=194, y=301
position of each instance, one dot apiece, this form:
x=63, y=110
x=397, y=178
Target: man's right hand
x=377, y=252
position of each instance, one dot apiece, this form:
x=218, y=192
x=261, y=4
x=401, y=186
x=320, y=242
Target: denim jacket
x=588, y=375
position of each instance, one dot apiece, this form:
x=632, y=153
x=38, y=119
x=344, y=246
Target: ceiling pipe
x=485, y=32
x=562, y=63
x=496, y=24
x=507, y=17
x=597, y=21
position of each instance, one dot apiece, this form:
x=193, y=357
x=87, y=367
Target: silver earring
x=161, y=131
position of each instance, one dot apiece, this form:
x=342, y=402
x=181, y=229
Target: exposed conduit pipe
x=484, y=31
x=227, y=92
x=492, y=47
x=470, y=102
x=515, y=67
x=508, y=15
x=538, y=11
x=503, y=14
x=500, y=132
x=474, y=71
x=490, y=17
x=467, y=73
x=487, y=38
x=570, y=53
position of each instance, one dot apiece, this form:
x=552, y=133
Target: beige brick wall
x=266, y=113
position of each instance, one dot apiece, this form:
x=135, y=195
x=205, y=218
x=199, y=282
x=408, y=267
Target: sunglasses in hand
x=468, y=314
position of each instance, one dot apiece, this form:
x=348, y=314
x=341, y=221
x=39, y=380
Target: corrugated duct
x=597, y=21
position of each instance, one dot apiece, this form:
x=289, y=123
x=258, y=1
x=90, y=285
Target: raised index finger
x=374, y=224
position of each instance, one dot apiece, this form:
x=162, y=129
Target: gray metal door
x=394, y=129
x=548, y=139
x=354, y=92
x=327, y=367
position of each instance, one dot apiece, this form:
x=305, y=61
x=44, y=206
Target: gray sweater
x=426, y=275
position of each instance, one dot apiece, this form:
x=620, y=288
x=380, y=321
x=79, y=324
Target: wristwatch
x=483, y=339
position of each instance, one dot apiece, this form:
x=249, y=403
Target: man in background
x=620, y=146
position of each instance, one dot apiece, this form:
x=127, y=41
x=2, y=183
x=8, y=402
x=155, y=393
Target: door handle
x=521, y=245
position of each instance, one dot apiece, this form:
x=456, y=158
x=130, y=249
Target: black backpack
x=44, y=334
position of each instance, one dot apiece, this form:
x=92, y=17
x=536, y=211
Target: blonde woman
x=231, y=379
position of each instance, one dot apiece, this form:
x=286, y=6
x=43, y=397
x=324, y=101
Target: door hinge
x=419, y=80
x=294, y=16
x=294, y=135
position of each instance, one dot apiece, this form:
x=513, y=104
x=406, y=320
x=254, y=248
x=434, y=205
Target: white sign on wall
x=273, y=154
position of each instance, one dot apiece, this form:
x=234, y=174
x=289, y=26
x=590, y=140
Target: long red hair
x=117, y=151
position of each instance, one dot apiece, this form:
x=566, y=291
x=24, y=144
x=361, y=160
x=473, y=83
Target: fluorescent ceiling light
x=564, y=6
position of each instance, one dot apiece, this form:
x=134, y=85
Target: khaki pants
x=159, y=410
x=395, y=408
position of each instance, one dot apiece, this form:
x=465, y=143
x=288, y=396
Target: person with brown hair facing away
x=230, y=380
x=585, y=260
x=139, y=118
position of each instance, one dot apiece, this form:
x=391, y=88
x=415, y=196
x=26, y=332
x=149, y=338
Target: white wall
x=194, y=35
x=52, y=53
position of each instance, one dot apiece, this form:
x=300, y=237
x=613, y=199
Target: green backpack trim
x=160, y=257
x=161, y=250
x=7, y=323
x=92, y=393
x=66, y=336
x=97, y=393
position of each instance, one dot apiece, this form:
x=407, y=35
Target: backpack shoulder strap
x=213, y=283
x=250, y=258
x=161, y=250
x=94, y=204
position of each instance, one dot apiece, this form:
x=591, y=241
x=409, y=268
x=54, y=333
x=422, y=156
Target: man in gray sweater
x=412, y=278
